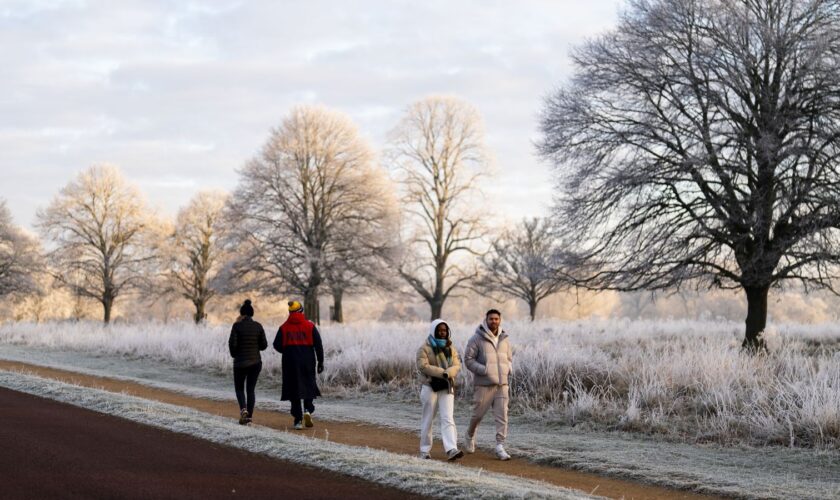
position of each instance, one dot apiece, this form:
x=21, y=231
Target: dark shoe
x=244, y=418
x=454, y=454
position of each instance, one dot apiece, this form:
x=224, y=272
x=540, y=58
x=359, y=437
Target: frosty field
x=681, y=380
x=745, y=472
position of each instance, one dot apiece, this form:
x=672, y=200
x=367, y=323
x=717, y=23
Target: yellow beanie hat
x=294, y=306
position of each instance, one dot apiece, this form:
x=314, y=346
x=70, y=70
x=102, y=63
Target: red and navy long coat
x=300, y=343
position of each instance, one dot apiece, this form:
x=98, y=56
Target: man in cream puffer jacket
x=489, y=357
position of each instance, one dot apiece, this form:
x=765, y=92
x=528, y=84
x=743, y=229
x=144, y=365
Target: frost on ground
x=764, y=472
x=429, y=478
x=683, y=380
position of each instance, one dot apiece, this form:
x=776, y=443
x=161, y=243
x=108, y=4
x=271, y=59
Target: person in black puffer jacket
x=247, y=339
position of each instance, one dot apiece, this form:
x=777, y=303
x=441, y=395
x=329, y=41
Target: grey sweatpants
x=484, y=398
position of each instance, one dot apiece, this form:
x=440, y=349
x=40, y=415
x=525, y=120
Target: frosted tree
x=105, y=242
x=196, y=254
x=438, y=147
x=19, y=258
x=523, y=263
x=698, y=142
x=358, y=258
x=313, y=183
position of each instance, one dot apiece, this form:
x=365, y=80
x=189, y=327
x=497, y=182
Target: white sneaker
x=501, y=454
x=307, y=419
x=469, y=443
x=298, y=426
x=425, y=456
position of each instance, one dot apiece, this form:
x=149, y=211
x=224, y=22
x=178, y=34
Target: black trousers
x=244, y=381
x=297, y=411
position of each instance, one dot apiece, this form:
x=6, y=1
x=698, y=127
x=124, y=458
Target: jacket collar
x=296, y=318
x=483, y=331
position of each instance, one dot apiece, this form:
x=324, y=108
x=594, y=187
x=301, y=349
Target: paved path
x=55, y=450
x=358, y=434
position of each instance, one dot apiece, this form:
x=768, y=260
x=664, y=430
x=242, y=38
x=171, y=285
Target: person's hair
x=493, y=311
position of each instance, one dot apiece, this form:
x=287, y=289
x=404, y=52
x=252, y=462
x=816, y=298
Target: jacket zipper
x=498, y=363
x=496, y=347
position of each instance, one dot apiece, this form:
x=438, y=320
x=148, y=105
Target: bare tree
x=359, y=255
x=196, y=254
x=522, y=263
x=439, y=148
x=310, y=185
x=103, y=237
x=699, y=142
x=19, y=258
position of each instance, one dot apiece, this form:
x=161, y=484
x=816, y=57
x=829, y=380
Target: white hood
x=435, y=324
x=484, y=330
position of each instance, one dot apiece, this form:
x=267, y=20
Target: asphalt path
x=375, y=437
x=55, y=450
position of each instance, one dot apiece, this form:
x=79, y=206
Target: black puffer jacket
x=247, y=339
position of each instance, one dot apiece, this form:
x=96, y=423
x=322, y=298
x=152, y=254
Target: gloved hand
x=320, y=368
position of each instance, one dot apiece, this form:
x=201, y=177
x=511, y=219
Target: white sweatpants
x=432, y=401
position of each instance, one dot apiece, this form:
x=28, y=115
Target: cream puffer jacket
x=427, y=362
x=489, y=361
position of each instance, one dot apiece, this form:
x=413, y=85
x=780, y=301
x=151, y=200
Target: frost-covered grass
x=741, y=472
x=684, y=380
x=428, y=478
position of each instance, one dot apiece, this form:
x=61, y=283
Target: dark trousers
x=297, y=412
x=244, y=381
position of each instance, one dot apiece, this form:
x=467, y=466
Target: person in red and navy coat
x=299, y=341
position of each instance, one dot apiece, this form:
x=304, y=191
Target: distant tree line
x=314, y=212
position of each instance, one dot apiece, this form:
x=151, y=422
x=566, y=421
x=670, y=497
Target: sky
x=181, y=94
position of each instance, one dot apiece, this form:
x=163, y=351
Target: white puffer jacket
x=488, y=357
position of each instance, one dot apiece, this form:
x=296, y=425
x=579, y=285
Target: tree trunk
x=310, y=306
x=532, y=308
x=437, y=308
x=107, y=305
x=756, y=318
x=200, y=313
x=78, y=308
x=338, y=310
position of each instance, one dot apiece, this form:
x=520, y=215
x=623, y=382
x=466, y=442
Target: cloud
x=190, y=90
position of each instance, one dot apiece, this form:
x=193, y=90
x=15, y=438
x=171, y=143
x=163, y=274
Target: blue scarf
x=439, y=348
x=436, y=342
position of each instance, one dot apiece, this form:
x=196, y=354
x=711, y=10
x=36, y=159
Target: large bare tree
x=196, y=254
x=104, y=241
x=698, y=142
x=523, y=262
x=19, y=258
x=312, y=183
x=438, y=146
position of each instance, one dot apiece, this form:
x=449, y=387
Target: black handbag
x=439, y=384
